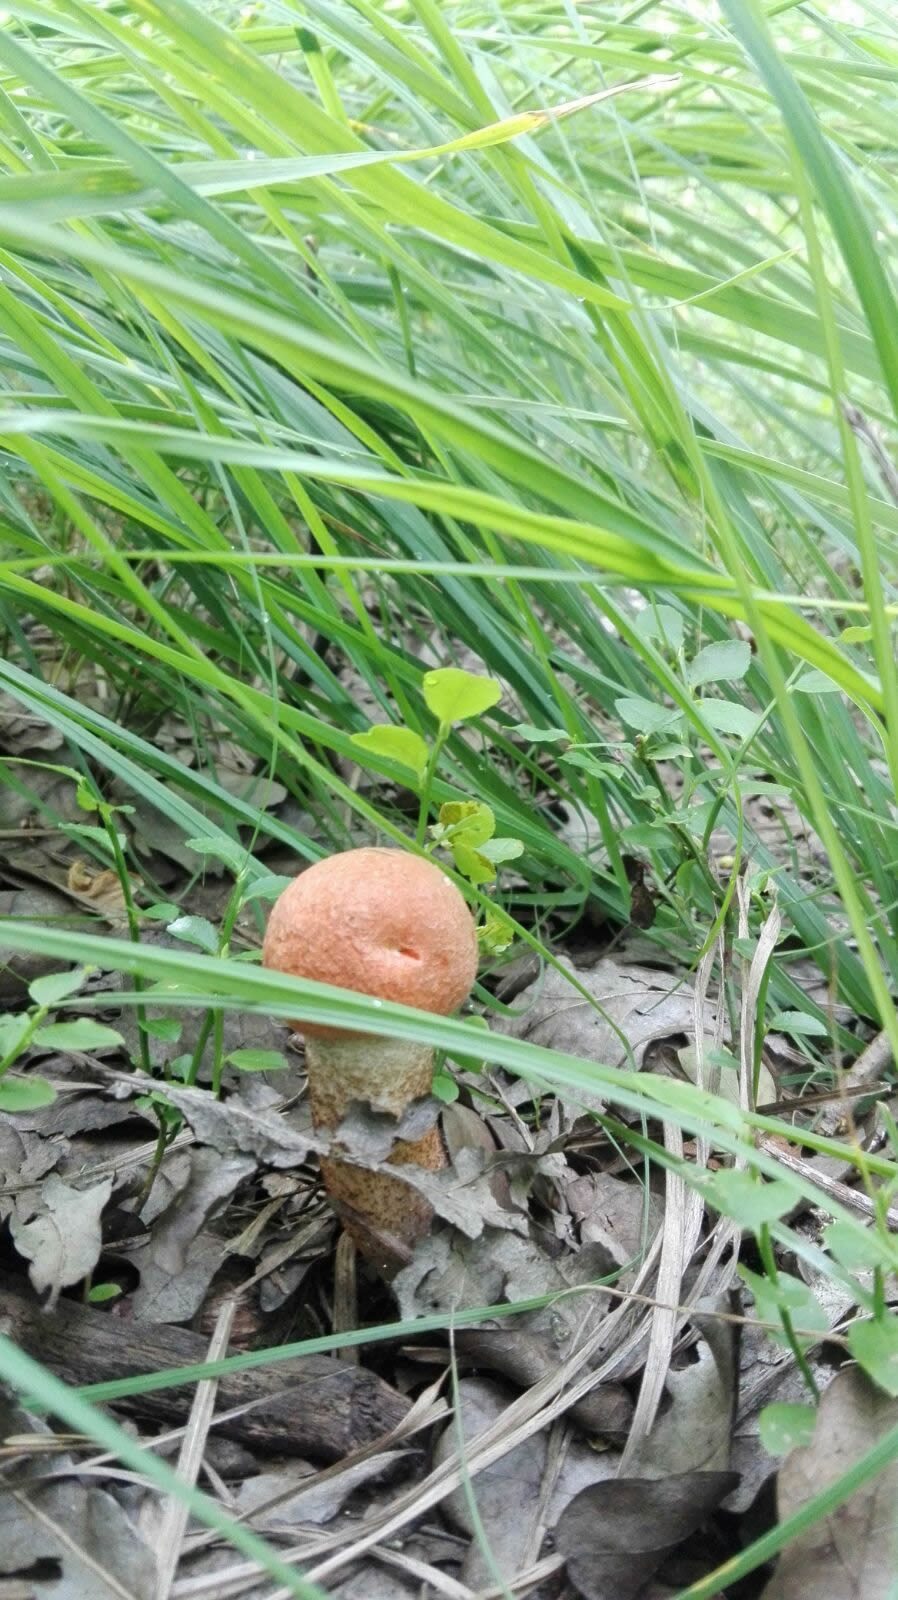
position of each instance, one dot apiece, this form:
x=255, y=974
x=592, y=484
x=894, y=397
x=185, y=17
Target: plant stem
x=133, y=929
x=427, y=785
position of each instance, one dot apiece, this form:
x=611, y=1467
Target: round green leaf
x=785, y=1427
x=56, y=986
x=101, y=1292
x=874, y=1346
x=454, y=696
x=646, y=716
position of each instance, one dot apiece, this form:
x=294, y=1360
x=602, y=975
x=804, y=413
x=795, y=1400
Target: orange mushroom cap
x=382, y=922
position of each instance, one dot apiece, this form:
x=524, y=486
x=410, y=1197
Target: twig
x=831, y=1188
x=190, y=1457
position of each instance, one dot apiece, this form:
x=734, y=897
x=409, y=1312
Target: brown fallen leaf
x=693, y=1432
x=101, y=889
x=616, y=1534
x=632, y=1006
x=182, y=1256
x=850, y=1554
x=62, y=1241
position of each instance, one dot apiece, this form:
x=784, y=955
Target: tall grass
x=325, y=360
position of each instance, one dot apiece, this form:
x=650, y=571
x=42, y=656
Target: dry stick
x=190, y=1456
x=869, y=1066
x=346, y=1300
x=683, y=1211
x=427, y=1410
x=831, y=1188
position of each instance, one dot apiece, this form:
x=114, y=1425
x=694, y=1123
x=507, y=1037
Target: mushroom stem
x=383, y=1215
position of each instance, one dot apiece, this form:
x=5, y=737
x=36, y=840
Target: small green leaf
x=162, y=911
x=258, y=1060
x=669, y=752
x=467, y=821
x=874, y=1346
x=719, y=663
x=471, y=864
x=815, y=682
x=444, y=1086
x=82, y=1034
x=85, y=797
x=798, y=1022
x=588, y=763
x=660, y=622
x=395, y=744
x=749, y=1200
x=649, y=836
x=195, y=930
x=495, y=934
x=267, y=887
x=165, y=1028
x=791, y=1295
x=646, y=716
x=723, y=1059
x=227, y=850
x=100, y=1293
x=786, y=1427
x=454, y=696
x=46, y=992
x=25, y=1094
x=859, y=1251
x=526, y=730
x=13, y=1030
x=157, y=1103
x=859, y=634
x=728, y=716
x=497, y=850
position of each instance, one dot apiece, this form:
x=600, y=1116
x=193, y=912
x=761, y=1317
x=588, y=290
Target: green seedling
x=466, y=828
x=21, y=1030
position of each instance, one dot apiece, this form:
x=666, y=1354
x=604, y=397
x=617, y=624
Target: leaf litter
x=544, y=1435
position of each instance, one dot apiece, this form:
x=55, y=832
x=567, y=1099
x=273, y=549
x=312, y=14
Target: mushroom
x=388, y=924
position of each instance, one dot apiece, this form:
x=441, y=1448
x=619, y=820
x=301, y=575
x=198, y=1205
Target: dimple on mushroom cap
x=381, y=922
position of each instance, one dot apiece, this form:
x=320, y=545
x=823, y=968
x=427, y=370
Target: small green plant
x=466, y=828
x=22, y=1029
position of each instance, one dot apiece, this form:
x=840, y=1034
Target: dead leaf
x=850, y=1554
x=623, y=1217
x=616, y=1534
x=181, y=1258
x=693, y=1433
x=63, y=1243
x=226, y=1127
x=74, y=1533
x=367, y=1134
x=102, y=889
x=32, y=904
x=464, y=1194
x=25, y=1158
x=448, y=1270
x=633, y=1006
x=282, y=1501
x=22, y=731
x=373, y=1583
x=507, y=1492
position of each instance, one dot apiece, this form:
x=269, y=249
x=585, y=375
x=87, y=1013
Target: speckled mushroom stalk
x=392, y=925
